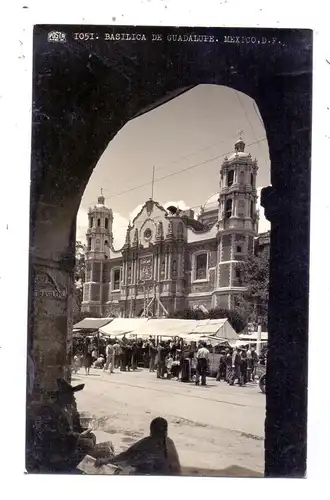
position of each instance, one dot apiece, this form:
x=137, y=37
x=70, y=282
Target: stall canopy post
x=259, y=340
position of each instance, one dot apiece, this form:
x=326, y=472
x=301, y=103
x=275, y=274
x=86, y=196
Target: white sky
x=198, y=126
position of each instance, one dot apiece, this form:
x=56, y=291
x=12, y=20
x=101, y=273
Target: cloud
x=181, y=204
x=82, y=225
x=264, y=224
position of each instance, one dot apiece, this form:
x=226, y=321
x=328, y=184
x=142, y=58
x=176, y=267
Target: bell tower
x=99, y=241
x=237, y=222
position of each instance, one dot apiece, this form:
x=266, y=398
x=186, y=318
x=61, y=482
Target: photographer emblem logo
x=56, y=36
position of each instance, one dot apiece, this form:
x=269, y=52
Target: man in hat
x=152, y=455
x=57, y=440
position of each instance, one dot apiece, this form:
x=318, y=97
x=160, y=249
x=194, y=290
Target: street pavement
x=217, y=429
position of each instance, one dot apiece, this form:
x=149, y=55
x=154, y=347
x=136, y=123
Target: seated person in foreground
x=152, y=455
x=100, y=362
x=57, y=440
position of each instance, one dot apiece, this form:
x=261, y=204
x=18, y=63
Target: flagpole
x=153, y=182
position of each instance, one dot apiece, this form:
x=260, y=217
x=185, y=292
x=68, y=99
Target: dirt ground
x=217, y=429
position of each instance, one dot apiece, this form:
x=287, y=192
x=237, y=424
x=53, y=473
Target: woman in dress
x=88, y=361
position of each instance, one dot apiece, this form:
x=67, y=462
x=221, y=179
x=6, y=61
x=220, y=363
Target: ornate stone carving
x=162, y=270
x=136, y=238
x=145, y=266
x=180, y=230
x=128, y=236
x=160, y=231
x=169, y=234
x=149, y=207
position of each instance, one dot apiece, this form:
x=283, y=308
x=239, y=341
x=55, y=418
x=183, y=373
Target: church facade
x=172, y=260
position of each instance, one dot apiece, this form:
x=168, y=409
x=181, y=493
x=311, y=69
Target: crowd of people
x=174, y=359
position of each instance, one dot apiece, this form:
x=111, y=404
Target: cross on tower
x=240, y=134
x=101, y=191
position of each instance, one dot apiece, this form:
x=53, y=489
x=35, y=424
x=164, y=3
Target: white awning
x=253, y=337
x=218, y=327
x=165, y=328
x=92, y=323
x=121, y=326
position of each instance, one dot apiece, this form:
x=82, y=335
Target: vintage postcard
x=169, y=251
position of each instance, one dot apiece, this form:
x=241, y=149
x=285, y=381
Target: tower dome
x=239, y=153
x=101, y=200
x=239, y=145
x=211, y=204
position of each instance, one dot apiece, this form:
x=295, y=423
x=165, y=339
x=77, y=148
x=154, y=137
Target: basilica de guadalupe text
x=172, y=260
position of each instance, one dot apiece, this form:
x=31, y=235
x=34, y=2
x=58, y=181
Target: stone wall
x=226, y=248
x=224, y=275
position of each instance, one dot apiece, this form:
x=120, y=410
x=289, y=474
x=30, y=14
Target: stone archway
x=83, y=94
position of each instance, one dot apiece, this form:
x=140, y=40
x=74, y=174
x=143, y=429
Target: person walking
x=88, y=361
x=117, y=350
x=236, y=367
x=249, y=367
x=203, y=355
x=244, y=364
x=134, y=356
x=152, y=356
x=229, y=370
x=110, y=357
x=161, y=356
x=222, y=367
x=255, y=361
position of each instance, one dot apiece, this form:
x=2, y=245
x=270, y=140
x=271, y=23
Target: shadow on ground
x=232, y=471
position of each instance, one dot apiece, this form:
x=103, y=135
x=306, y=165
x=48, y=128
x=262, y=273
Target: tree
x=254, y=275
x=237, y=320
x=196, y=314
x=79, y=277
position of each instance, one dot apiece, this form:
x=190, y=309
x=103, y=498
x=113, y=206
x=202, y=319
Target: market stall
x=120, y=327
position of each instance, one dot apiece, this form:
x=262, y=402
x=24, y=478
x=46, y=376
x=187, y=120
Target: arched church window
x=230, y=177
x=174, y=267
x=98, y=222
x=91, y=222
x=89, y=244
x=251, y=179
x=201, y=266
x=229, y=208
x=239, y=249
x=251, y=209
x=106, y=223
x=116, y=279
x=106, y=243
